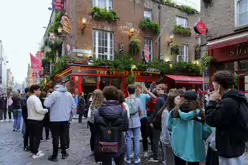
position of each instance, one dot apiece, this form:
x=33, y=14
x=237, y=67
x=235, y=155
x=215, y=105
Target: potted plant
x=175, y=49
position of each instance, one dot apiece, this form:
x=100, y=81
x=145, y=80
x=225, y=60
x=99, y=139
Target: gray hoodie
x=61, y=104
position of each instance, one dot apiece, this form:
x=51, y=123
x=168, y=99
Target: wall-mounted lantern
x=131, y=32
x=171, y=39
x=60, y=29
x=83, y=23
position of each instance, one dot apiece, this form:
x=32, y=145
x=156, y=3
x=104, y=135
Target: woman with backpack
x=110, y=123
x=187, y=123
x=135, y=111
x=17, y=111
x=97, y=101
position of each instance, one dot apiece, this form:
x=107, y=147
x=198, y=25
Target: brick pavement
x=11, y=148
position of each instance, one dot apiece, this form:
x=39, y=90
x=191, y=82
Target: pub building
x=86, y=79
x=231, y=53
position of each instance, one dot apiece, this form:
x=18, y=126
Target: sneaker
x=146, y=154
x=64, y=156
x=53, y=158
x=137, y=161
x=153, y=160
x=132, y=156
x=14, y=130
x=127, y=161
x=40, y=152
x=1, y=121
x=38, y=155
x=6, y=120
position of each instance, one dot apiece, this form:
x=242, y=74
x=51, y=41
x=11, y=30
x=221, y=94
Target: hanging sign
x=66, y=23
x=201, y=28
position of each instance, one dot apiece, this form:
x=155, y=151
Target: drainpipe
x=159, y=41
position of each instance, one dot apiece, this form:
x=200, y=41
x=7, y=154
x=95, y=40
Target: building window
x=103, y=45
x=103, y=4
x=150, y=45
x=242, y=12
x=182, y=22
x=183, y=54
x=148, y=14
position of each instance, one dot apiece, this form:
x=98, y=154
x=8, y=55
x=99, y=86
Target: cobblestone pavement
x=11, y=148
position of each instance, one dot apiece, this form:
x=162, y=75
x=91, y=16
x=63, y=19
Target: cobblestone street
x=11, y=150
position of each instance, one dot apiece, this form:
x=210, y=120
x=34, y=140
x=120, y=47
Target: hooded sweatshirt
x=224, y=117
x=61, y=104
x=187, y=136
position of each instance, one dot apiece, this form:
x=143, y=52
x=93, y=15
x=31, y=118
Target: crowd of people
x=164, y=120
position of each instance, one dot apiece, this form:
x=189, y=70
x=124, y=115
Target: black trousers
x=35, y=128
x=92, y=137
x=5, y=114
x=9, y=112
x=144, y=133
x=26, y=134
x=212, y=157
x=118, y=160
x=80, y=116
x=47, y=129
x=59, y=132
x=179, y=161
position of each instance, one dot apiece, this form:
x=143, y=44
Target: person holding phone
x=224, y=112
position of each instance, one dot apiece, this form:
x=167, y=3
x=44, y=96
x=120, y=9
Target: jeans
x=144, y=133
x=35, y=128
x=179, y=161
x=59, y=130
x=136, y=136
x=232, y=161
x=17, y=118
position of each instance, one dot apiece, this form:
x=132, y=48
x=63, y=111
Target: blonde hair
x=97, y=99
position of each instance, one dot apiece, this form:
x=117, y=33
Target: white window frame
x=237, y=24
x=183, y=55
x=148, y=14
x=182, y=19
x=110, y=45
x=108, y=4
x=149, y=42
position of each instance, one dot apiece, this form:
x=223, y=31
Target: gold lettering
x=232, y=53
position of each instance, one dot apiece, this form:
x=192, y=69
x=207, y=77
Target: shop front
x=231, y=53
x=87, y=78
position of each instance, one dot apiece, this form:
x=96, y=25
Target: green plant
x=175, y=49
x=102, y=14
x=188, y=67
x=150, y=26
x=189, y=10
x=134, y=47
x=59, y=67
x=236, y=80
x=182, y=30
x=161, y=66
x=205, y=62
x=130, y=79
x=56, y=24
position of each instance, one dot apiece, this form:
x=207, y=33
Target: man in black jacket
x=3, y=107
x=81, y=107
x=222, y=113
x=25, y=131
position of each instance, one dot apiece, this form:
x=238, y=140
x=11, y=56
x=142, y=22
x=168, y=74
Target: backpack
x=132, y=106
x=110, y=133
x=242, y=121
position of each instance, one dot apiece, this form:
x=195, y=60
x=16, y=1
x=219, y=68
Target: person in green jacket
x=187, y=123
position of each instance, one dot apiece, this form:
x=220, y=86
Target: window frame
x=110, y=3
x=185, y=54
x=150, y=11
x=237, y=13
x=185, y=21
x=151, y=52
x=95, y=44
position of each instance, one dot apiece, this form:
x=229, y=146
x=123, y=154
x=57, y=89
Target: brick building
x=227, y=37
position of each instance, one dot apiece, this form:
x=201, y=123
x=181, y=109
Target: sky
x=21, y=31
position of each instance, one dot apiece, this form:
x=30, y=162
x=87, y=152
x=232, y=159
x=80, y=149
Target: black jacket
x=110, y=111
x=3, y=103
x=23, y=102
x=81, y=105
x=160, y=102
x=224, y=117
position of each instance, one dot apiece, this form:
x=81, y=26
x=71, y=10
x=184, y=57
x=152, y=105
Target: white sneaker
x=137, y=161
x=40, y=152
x=38, y=155
x=6, y=120
x=146, y=154
x=153, y=160
x=127, y=161
x=1, y=121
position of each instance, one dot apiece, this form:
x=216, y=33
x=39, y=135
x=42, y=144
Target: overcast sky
x=21, y=30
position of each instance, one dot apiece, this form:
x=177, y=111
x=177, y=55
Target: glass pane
x=110, y=4
x=148, y=14
x=105, y=81
x=116, y=82
x=242, y=6
x=243, y=18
